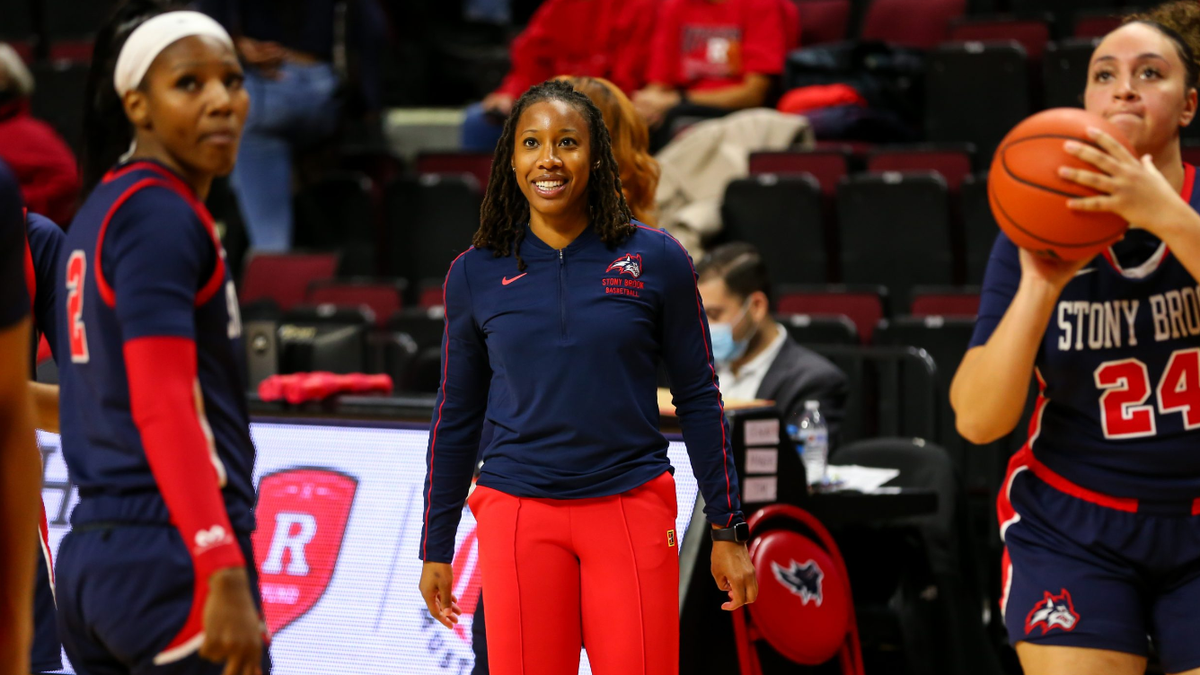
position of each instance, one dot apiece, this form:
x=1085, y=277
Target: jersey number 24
x=1124, y=412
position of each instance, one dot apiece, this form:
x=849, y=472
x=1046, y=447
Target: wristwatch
x=739, y=532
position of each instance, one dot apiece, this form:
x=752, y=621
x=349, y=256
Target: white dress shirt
x=744, y=385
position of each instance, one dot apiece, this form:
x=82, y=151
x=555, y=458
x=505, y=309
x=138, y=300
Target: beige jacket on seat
x=698, y=165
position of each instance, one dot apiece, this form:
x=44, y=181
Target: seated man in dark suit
x=755, y=356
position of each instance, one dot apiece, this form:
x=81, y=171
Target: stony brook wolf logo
x=1054, y=611
x=302, y=515
x=627, y=264
x=803, y=580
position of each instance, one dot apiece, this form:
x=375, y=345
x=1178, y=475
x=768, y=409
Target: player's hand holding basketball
x=1133, y=188
x=734, y=573
x=232, y=627
x=437, y=586
x=1050, y=273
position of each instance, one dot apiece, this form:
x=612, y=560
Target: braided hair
x=505, y=209
x=107, y=132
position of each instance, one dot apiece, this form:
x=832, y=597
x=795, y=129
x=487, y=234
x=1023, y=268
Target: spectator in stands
x=630, y=143
x=301, y=57
x=45, y=167
x=597, y=38
x=710, y=57
x=756, y=357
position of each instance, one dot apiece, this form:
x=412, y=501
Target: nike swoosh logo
x=1086, y=270
x=506, y=281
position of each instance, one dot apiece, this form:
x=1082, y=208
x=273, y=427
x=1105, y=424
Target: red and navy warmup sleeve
x=1000, y=283
x=457, y=418
x=687, y=354
x=14, y=298
x=156, y=256
x=45, y=244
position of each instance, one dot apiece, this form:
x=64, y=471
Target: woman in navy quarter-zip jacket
x=556, y=321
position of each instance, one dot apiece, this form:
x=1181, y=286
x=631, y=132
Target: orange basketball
x=1029, y=198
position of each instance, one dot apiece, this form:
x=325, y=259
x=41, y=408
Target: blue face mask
x=726, y=350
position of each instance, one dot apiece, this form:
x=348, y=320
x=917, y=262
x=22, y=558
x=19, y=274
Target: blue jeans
x=297, y=109
x=480, y=131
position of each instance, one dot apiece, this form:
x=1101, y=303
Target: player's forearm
x=751, y=93
x=990, y=388
x=20, y=483
x=45, y=406
x=20, y=486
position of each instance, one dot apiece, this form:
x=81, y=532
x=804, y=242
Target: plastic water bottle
x=809, y=433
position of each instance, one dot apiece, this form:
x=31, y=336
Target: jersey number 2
x=1126, y=387
x=76, y=273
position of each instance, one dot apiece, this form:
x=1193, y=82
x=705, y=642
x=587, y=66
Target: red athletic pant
x=561, y=573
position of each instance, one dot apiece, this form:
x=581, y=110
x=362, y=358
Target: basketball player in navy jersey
x=1100, y=511
x=43, y=242
x=20, y=477
x=157, y=573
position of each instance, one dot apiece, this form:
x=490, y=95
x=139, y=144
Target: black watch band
x=739, y=532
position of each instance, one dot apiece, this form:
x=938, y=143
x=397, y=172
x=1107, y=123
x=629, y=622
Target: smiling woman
x=569, y=122
x=557, y=321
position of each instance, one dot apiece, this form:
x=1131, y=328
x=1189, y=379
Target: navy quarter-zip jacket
x=563, y=358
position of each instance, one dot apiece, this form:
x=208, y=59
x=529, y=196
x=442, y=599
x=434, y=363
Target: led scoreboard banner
x=339, y=524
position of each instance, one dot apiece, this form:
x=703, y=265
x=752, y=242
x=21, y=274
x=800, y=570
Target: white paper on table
x=861, y=478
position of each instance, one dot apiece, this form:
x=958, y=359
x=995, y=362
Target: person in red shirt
x=716, y=56
x=592, y=38
x=45, y=167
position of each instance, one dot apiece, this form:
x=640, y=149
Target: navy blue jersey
x=562, y=358
x=142, y=259
x=1119, y=368
x=44, y=241
x=14, y=299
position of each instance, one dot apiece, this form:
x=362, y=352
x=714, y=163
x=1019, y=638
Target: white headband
x=149, y=40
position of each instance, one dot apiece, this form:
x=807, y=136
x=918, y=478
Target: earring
x=596, y=165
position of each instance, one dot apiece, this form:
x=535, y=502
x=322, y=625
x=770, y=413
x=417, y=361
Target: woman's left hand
x=734, y=574
x=1133, y=189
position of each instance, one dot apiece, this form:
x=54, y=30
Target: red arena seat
x=285, y=277
x=805, y=610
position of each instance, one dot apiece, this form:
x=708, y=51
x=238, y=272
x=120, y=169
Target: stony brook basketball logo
x=302, y=515
x=630, y=263
x=1053, y=611
x=803, y=580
